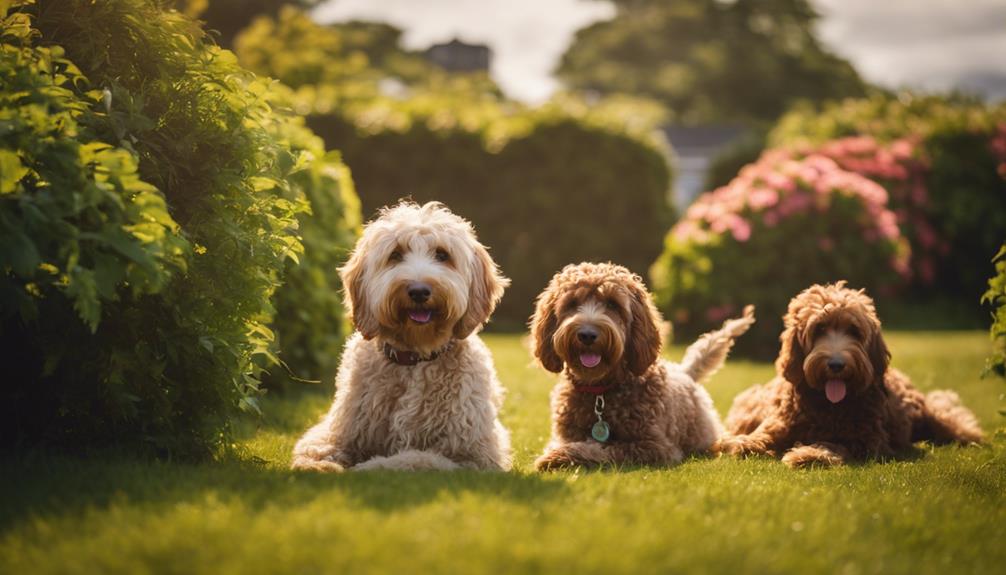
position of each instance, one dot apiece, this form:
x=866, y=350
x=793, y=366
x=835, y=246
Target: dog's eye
x=853, y=331
x=570, y=305
x=818, y=330
x=442, y=255
x=611, y=304
x=395, y=257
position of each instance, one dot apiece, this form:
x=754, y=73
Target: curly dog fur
x=595, y=323
x=420, y=285
x=835, y=398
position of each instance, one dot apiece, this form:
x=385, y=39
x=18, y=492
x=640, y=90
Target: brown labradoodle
x=616, y=401
x=835, y=399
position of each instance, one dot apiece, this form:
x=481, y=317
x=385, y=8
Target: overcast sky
x=930, y=44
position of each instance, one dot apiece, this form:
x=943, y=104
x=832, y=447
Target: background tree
x=710, y=60
x=228, y=17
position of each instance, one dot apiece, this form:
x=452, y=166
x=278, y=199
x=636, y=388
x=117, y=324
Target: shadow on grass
x=49, y=486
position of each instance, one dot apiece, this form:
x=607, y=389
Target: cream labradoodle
x=416, y=388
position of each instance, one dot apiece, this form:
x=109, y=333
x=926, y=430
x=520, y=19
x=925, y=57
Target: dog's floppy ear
x=352, y=274
x=544, y=323
x=484, y=293
x=642, y=347
x=791, y=355
x=880, y=356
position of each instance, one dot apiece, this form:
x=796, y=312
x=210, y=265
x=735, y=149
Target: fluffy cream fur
x=437, y=414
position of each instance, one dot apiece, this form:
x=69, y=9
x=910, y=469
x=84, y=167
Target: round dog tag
x=600, y=431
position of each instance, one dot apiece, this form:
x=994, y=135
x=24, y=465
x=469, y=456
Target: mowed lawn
x=943, y=512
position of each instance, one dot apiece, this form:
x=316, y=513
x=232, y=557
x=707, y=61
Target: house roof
x=713, y=136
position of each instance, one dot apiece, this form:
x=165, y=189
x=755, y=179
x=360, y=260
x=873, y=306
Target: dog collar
x=410, y=358
x=593, y=389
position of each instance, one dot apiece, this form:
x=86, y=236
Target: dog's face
x=595, y=319
x=833, y=343
x=418, y=277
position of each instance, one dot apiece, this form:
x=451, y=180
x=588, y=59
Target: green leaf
x=11, y=171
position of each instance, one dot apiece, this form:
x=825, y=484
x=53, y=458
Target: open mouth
x=834, y=390
x=421, y=315
x=589, y=360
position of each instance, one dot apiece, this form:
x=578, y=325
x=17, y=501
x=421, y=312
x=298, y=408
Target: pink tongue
x=835, y=390
x=420, y=315
x=590, y=359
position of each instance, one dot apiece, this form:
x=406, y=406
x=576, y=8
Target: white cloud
x=930, y=44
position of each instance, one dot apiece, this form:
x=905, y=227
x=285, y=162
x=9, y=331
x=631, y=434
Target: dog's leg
x=824, y=454
x=763, y=440
x=410, y=460
x=565, y=455
x=317, y=450
x=945, y=420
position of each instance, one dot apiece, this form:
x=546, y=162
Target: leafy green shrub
x=543, y=188
x=781, y=225
x=309, y=323
x=996, y=297
x=963, y=199
x=176, y=317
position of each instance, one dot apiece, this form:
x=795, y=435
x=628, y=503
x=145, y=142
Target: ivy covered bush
x=783, y=223
x=954, y=196
x=151, y=199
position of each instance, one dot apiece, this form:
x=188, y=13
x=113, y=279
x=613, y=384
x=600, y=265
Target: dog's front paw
x=326, y=465
x=805, y=456
x=555, y=459
x=737, y=445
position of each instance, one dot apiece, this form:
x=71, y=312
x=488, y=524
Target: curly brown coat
x=835, y=398
x=595, y=323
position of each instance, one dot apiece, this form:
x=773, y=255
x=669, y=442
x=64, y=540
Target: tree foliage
x=710, y=60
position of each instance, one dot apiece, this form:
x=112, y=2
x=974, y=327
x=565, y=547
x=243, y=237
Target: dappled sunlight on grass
x=249, y=513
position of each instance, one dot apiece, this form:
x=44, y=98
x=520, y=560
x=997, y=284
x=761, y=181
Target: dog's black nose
x=836, y=364
x=419, y=292
x=586, y=335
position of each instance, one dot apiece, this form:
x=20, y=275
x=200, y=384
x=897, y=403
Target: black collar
x=410, y=358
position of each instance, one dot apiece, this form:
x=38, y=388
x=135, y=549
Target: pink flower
x=741, y=230
x=761, y=198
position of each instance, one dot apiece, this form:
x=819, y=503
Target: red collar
x=410, y=358
x=593, y=389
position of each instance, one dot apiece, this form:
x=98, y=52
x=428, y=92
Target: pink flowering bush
x=783, y=223
x=954, y=212
x=901, y=168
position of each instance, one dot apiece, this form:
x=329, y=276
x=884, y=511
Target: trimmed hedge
x=159, y=348
x=963, y=198
x=564, y=190
x=784, y=223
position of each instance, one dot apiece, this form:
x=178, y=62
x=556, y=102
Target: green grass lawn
x=943, y=512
